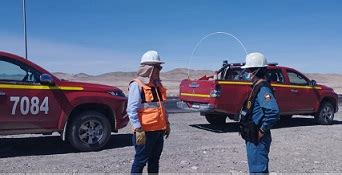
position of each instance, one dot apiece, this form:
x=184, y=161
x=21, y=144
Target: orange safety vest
x=152, y=115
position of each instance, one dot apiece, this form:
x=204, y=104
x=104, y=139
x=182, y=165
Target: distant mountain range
x=173, y=74
x=173, y=77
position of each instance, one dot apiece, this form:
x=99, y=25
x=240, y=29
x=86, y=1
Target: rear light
x=216, y=92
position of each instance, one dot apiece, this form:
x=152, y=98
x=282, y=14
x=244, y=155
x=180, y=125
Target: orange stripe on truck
x=195, y=95
x=272, y=84
x=40, y=87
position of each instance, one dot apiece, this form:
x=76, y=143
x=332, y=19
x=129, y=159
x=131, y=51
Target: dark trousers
x=257, y=155
x=148, y=153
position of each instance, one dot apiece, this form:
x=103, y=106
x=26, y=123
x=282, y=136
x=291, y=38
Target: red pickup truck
x=34, y=101
x=224, y=94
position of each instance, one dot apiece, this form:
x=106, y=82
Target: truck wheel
x=325, y=115
x=216, y=119
x=285, y=117
x=89, y=131
x=235, y=117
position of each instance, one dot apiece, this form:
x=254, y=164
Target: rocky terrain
x=194, y=146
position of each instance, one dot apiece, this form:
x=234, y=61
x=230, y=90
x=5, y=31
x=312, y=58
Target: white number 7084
x=26, y=105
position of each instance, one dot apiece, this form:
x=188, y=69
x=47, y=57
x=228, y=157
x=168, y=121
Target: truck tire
x=326, y=113
x=89, y=131
x=285, y=118
x=216, y=119
x=234, y=117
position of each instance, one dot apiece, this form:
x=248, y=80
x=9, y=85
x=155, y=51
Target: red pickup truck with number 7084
x=34, y=101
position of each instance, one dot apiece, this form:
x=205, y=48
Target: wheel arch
x=327, y=99
x=102, y=108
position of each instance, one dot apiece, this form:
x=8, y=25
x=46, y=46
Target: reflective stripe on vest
x=151, y=105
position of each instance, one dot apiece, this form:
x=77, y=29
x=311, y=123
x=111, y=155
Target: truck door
x=24, y=102
x=302, y=96
x=281, y=93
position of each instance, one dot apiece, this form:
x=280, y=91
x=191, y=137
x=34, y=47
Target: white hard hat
x=255, y=60
x=151, y=57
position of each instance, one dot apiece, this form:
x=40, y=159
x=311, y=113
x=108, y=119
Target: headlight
x=117, y=93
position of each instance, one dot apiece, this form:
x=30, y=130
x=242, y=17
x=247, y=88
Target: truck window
x=10, y=72
x=276, y=76
x=296, y=78
x=234, y=74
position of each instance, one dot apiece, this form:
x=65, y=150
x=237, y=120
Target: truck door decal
x=32, y=106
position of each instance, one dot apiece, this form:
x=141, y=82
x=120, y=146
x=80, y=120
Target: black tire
x=216, y=119
x=285, y=117
x=234, y=117
x=326, y=113
x=89, y=131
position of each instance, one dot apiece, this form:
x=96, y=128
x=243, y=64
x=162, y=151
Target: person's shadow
x=234, y=126
x=49, y=145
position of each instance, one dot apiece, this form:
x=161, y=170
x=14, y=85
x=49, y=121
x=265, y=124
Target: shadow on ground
x=234, y=127
x=50, y=145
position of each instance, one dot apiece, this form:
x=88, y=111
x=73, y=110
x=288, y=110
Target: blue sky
x=102, y=36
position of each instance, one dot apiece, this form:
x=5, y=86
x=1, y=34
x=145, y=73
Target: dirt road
x=299, y=146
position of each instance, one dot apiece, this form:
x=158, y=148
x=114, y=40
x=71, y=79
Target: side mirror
x=312, y=83
x=46, y=79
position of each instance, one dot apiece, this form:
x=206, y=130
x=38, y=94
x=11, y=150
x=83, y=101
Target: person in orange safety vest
x=147, y=114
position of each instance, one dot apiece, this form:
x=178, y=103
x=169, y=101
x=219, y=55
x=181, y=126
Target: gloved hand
x=140, y=136
x=167, y=131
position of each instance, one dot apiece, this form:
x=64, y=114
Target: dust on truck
x=225, y=93
x=34, y=101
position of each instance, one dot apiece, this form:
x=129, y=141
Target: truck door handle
x=2, y=93
x=294, y=90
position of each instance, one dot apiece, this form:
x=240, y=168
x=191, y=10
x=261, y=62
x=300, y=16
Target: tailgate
x=197, y=90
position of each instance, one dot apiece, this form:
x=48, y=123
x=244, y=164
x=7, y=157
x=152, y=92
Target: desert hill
x=172, y=78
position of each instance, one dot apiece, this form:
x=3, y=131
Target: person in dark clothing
x=264, y=112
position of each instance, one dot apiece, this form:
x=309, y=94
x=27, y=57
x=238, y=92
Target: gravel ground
x=194, y=146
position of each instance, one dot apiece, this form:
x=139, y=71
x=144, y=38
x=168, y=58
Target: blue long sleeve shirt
x=266, y=110
x=134, y=104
